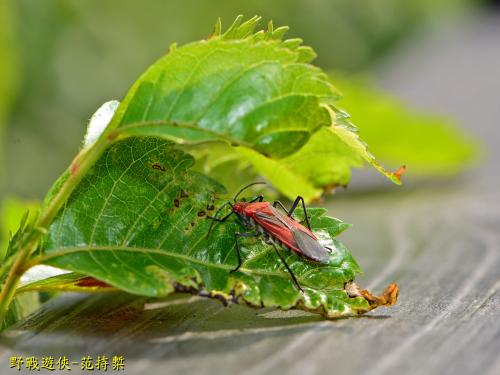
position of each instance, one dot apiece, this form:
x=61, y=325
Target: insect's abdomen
x=280, y=236
x=289, y=234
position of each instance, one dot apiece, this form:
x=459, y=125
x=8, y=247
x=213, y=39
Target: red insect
x=276, y=228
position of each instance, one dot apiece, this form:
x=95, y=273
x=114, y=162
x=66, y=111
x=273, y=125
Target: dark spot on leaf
x=184, y=194
x=201, y=213
x=210, y=207
x=176, y=203
x=192, y=224
x=159, y=167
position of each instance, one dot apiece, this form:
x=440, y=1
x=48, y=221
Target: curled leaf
x=257, y=93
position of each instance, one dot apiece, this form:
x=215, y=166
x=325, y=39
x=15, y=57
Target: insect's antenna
x=211, y=227
x=246, y=187
x=216, y=219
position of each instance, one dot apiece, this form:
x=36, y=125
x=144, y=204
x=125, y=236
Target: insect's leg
x=292, y=210
x=238, y=251
x=216, y=219
x=260, y=198
x=278, y=203
x=298, y=200
x=287, y=266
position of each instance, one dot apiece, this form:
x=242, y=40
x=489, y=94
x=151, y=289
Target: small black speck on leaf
x=159, y=167
x=176, y=203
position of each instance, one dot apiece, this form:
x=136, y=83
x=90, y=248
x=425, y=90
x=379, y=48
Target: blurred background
x=421, y=79
x=61, y=59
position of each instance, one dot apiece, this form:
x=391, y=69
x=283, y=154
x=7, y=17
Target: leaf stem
x=4, y=268
x=79, y=167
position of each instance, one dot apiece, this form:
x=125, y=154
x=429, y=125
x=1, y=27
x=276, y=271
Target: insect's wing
x=310, y=247
x=275, y=226
x=273, y=220
x=275, y=217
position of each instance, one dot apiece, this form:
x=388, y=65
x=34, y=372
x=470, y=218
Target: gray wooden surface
x=439, y=241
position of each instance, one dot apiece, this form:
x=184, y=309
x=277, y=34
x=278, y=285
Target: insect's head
x=239, y=210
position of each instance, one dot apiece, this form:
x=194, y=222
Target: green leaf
x=324, y=162
x=138, y=222
x=258, y=94
x=247, y=89
x=282, y=175
x=428, y=144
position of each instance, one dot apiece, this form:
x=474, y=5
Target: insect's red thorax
x=249, y=209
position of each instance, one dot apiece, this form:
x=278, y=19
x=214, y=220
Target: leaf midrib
x=90, y=249
x=72, y=250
